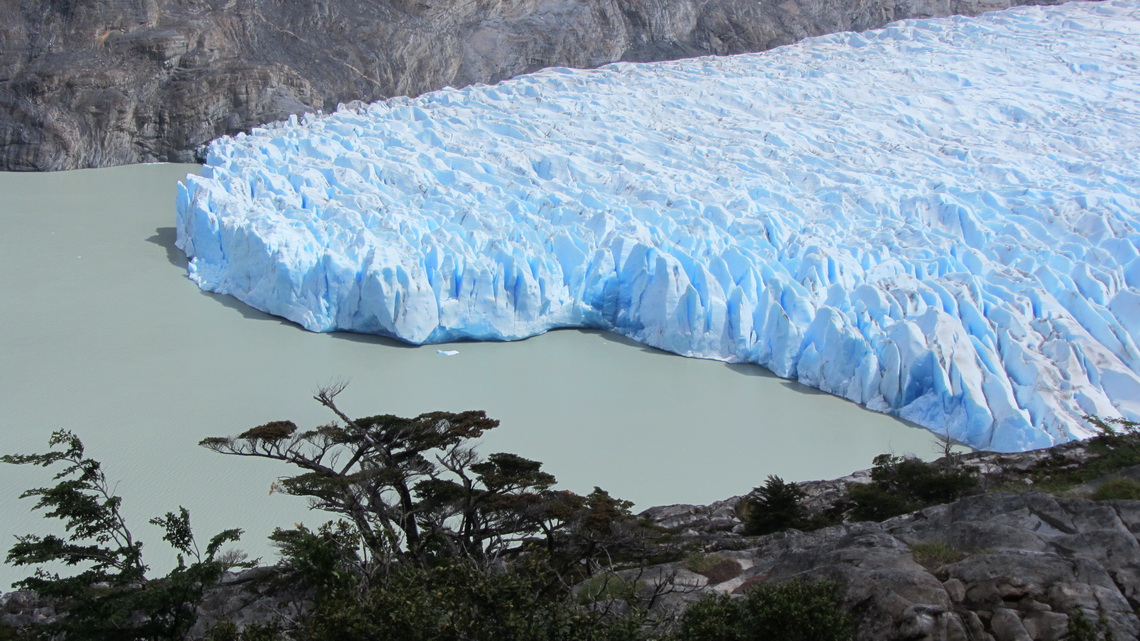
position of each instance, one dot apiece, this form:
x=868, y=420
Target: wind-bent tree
x=110, y=597
x=417, y=492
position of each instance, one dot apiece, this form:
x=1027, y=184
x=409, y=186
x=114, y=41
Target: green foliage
x=774, y=507
x=1122, y=489
x=110, y=596
x=1116, y=433
x=932, y=554
x=903, y=484
x=463, y=602
x=714, y=567
x=1116, y=447
x=716, y=617
x=325, y=561
x=605, y=587
x=793, y=611
x=437, y=542
x=1081, y=629
x=417, y=494
x=228, y=631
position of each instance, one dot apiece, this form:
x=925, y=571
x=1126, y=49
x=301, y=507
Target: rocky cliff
x=992, y=567
x=997, y=566
x=91, y=83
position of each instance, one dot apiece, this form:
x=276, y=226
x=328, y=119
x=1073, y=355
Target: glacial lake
x=102, y=333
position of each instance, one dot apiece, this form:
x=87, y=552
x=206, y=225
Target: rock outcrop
x=991, y=567
x=108, y=82
x=997, y=566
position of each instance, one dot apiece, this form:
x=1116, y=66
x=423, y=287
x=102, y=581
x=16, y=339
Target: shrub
x=1118, y=489
x=605, y=587
x=1081, y=629
x=228, y=631
x=904, y=484
x=462, y=602
x=933, y=554
x=774, y=507
x=714, y=567
x=797, y=610
x=1117, y=445
x=714, y=618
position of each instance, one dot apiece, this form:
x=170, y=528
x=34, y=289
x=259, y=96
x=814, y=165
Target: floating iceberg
x=939, y=219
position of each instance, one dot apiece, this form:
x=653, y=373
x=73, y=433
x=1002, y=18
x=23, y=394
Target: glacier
x=939, y=219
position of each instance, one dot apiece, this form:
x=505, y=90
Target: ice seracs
x=938, y=219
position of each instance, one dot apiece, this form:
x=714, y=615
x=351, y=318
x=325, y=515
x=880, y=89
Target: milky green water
x=102, y=333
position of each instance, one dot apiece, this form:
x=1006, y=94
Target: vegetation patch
x=777, y=506
x=797, y=610
x=900, y=485
x=714, y=567
x=1123, y=489
x=1080, y=628
x=606, y=587
x=934, y=554
x=1115, y=448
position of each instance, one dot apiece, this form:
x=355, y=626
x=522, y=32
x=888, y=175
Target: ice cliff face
x=939, y=219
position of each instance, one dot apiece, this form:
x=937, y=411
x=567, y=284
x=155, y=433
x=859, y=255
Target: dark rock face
x=90, y=83
x=993, y=567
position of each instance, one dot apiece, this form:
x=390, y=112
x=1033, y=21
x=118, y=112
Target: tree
x=111, y=598
x=774, y=507
x=903, y=484
x=418, y=494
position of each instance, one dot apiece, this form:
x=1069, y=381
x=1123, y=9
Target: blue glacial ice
x=939, y=219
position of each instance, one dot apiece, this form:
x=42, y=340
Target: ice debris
x=937, y=219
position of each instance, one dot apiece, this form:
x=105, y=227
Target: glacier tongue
x=939, y=219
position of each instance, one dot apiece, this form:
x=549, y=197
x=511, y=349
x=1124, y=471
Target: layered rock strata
x=103, y=83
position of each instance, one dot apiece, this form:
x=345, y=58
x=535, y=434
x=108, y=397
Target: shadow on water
x=371, y=339
x=164, y=238
x=752, y=369
x=624, y=341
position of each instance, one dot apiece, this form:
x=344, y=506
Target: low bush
x=461, y=602
x=714, y=567
x=933, y=554
x=903, y=484
x=228, y=631
x=797, y=610
x=1118, y=489
x=1081, y=629
x=605, y=587
x=1115, y=447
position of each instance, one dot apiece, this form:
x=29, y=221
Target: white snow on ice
x=938, y=219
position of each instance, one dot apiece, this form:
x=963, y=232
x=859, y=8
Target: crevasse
x=938, y=219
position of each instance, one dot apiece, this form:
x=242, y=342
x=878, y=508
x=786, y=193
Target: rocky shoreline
x=104, y=83
x=996, y=566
